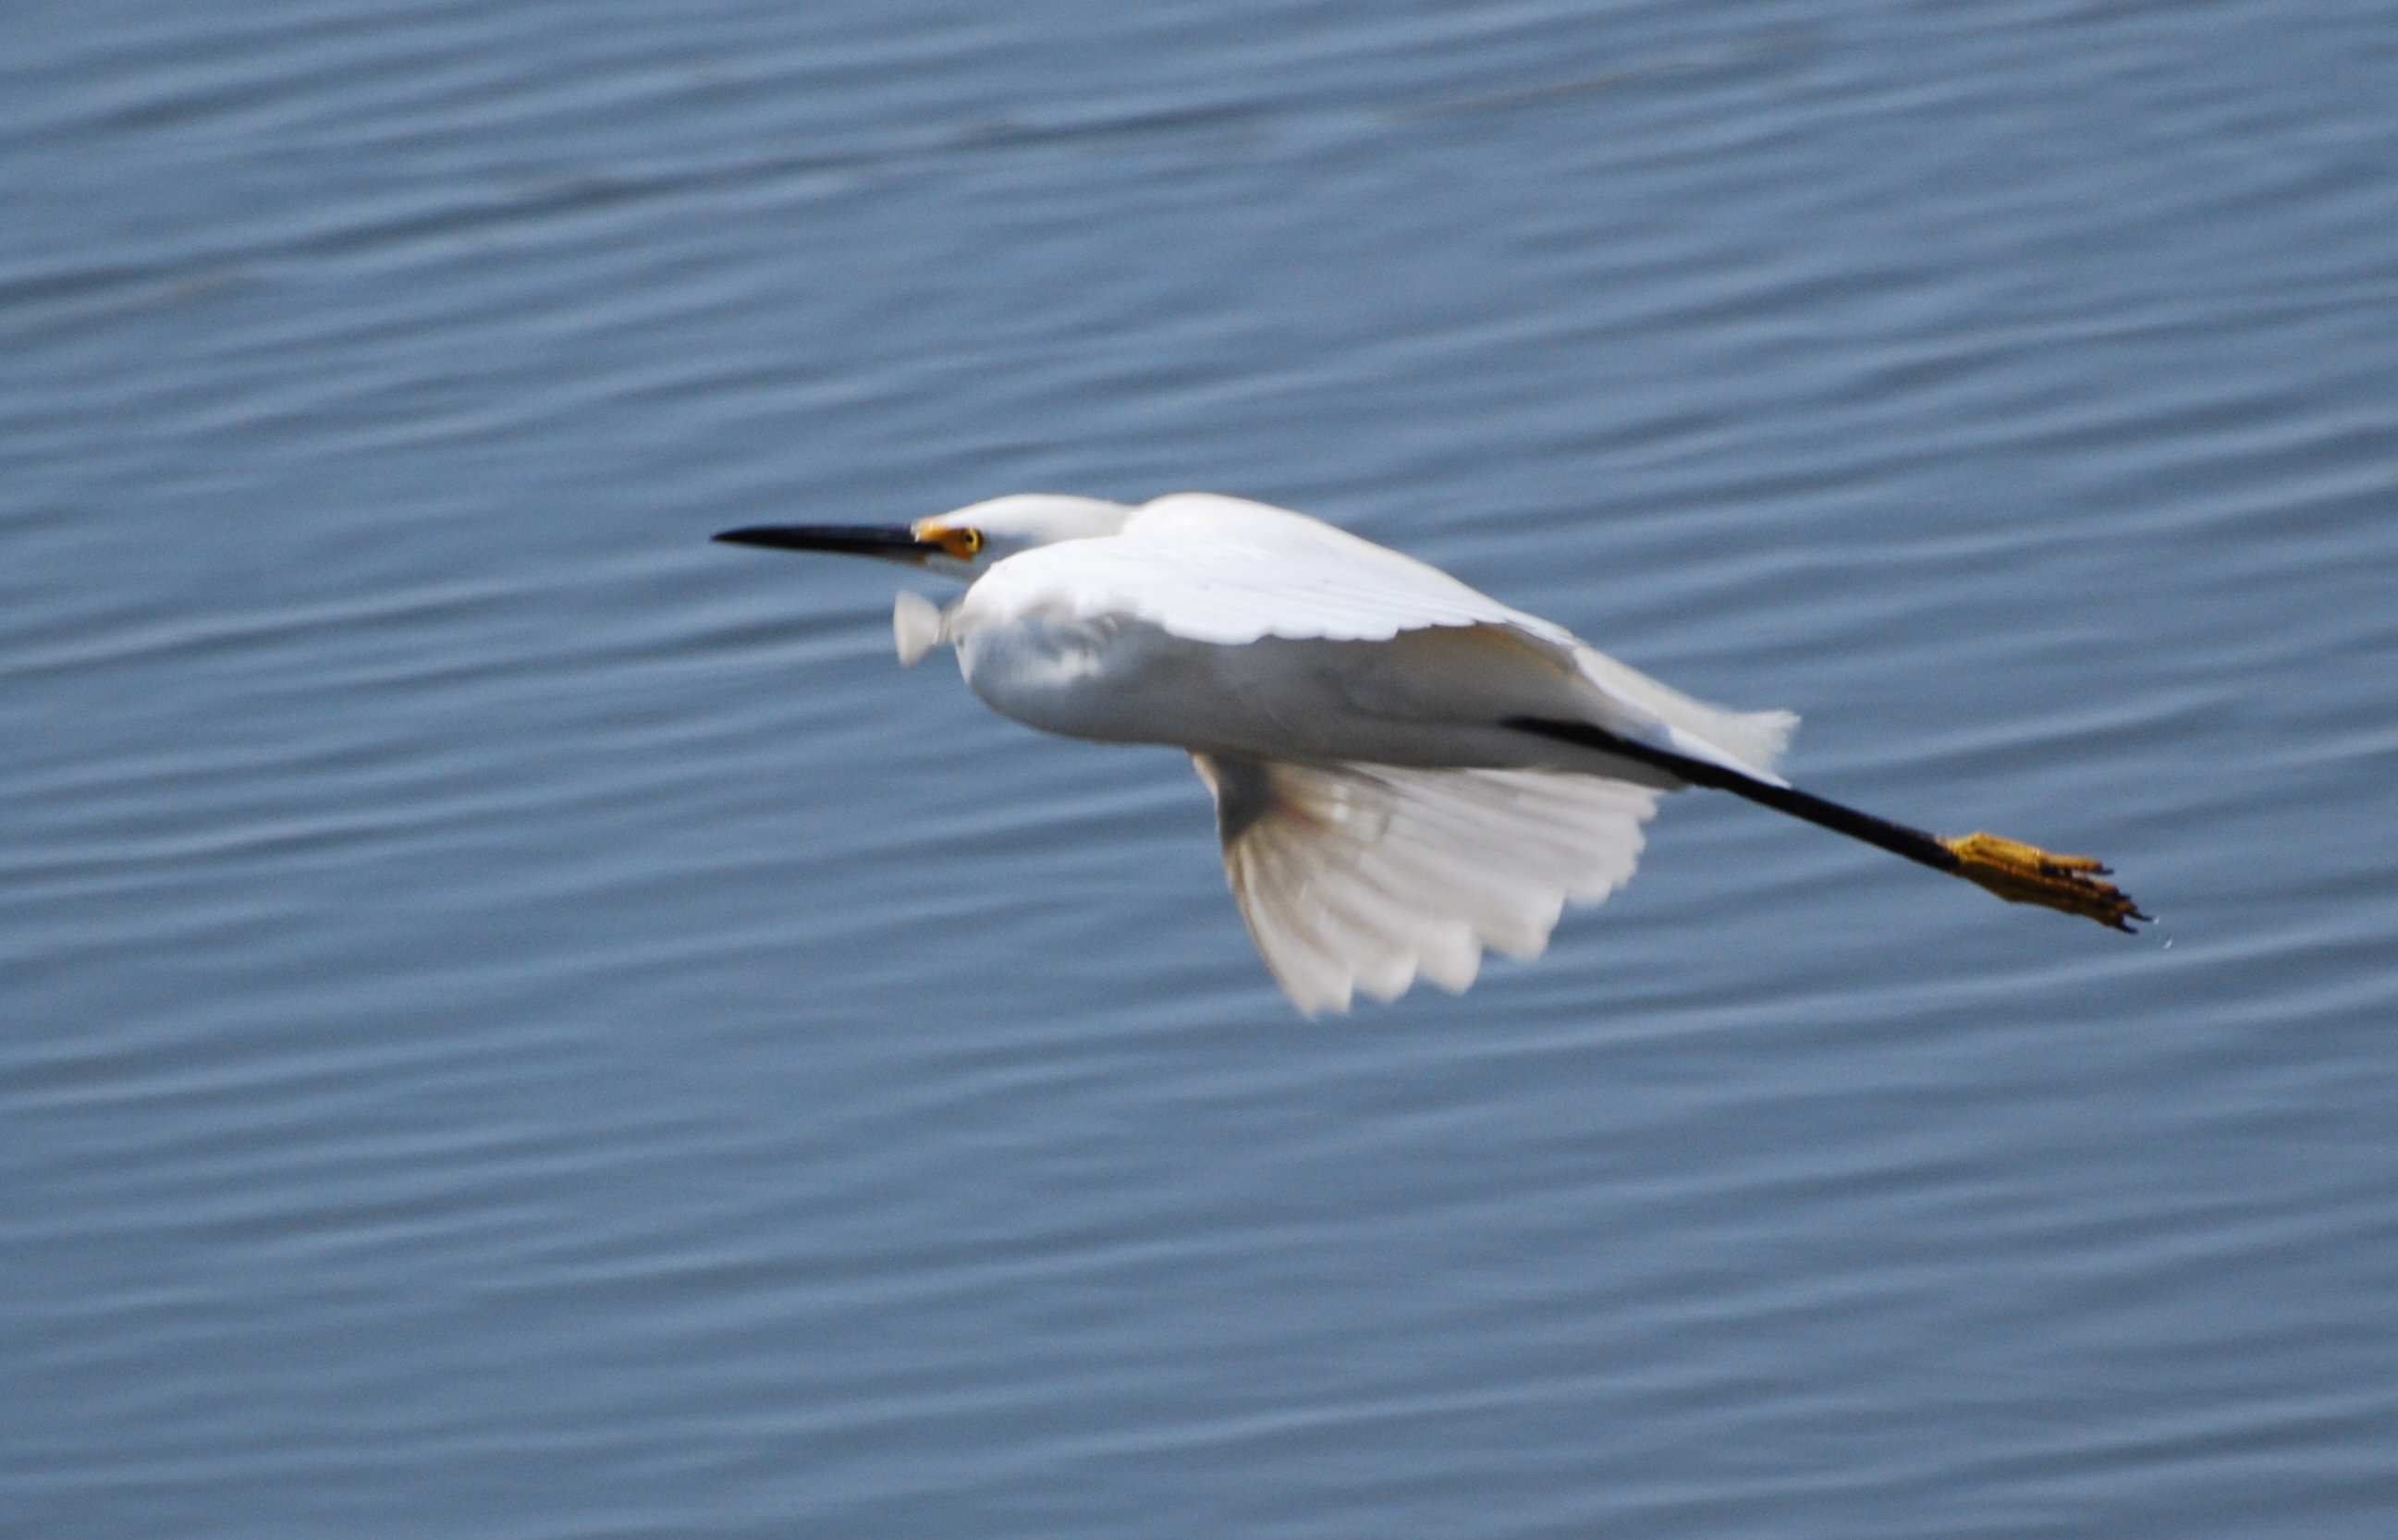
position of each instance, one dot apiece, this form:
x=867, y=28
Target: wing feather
x=1366, y=877
x=1224, y=570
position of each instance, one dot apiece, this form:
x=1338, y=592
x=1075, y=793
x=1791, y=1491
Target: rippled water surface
x=523, y=1023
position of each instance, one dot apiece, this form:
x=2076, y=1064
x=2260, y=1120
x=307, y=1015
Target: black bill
x=898, y=543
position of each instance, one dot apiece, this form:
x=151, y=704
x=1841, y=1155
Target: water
x=523, y=1023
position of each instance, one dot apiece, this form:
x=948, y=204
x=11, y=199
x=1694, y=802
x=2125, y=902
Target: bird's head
x=963, y=543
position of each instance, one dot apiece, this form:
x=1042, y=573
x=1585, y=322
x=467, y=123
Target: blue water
x=523, y=1023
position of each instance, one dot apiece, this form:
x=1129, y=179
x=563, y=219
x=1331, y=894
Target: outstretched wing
x=1354, y=876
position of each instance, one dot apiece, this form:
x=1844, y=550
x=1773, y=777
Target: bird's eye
x=961, y=544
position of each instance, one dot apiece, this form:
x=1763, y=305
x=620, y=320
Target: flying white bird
x=1405, y=771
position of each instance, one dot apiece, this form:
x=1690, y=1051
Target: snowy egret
x=1405, y=771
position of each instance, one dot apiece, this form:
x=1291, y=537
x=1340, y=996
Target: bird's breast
x=1111, y=679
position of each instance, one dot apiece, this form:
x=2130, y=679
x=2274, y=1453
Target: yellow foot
x=2027, y=874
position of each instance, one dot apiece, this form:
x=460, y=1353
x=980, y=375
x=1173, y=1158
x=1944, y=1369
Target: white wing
x=1357, y=876
x=1224, y=570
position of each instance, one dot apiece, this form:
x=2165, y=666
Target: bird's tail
x=1753, y=740
x=1355, y=876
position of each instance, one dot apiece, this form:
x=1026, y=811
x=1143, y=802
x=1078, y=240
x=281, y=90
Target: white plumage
x=1406, y=771
x=1214, y=622
x=1226, y=571
x=1365, y=877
